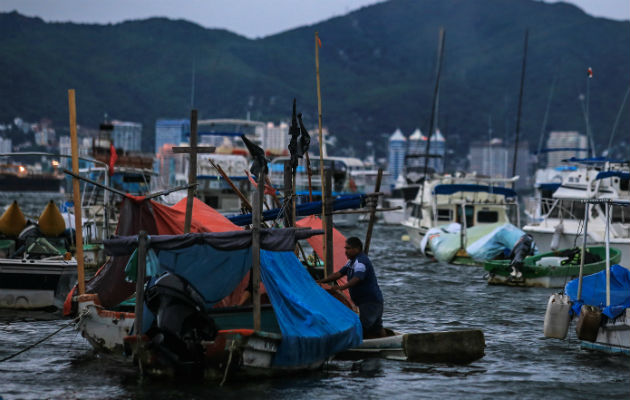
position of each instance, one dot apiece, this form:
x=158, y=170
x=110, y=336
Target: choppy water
x=419, y=296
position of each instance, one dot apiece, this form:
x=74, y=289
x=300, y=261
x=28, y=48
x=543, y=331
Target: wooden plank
x=368, y=235
x=256, y=225
x=190, y=150
x=76, y=191
x=140, y=278
x=365, y=210
x=192, y=170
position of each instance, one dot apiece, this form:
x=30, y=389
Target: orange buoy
x=12, y=221
x=50, y=221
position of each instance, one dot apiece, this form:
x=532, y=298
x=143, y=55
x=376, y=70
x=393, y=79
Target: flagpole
x=321, y=153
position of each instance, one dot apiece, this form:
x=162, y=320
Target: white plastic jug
x=557, y=316
x=550, y=261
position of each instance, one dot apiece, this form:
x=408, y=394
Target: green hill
x=377, y=70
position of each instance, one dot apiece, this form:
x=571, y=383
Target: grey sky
x=251, y=18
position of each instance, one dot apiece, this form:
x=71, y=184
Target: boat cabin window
x=566, y=209
x=620, y=215
x=487, y=217
x=624, y=184
x=444, y=214
x=470, y=214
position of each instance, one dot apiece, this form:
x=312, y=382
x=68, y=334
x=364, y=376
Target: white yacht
x=560, y=224
x=468, y=200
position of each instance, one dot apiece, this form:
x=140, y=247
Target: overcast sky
x=251, y=18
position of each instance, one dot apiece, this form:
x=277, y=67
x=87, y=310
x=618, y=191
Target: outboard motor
x=523, y=248
x=180, y=325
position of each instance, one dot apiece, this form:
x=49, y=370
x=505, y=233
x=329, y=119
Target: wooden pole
x=287, y=193
x=321, y=153
x=76, y=191
x=256, y=224
x=309, y=174
x=607, y=213
x=368, y=235
x=192, y=170
x=328, y=225
x=140, y=277
x=520, y=104
x=240, y=195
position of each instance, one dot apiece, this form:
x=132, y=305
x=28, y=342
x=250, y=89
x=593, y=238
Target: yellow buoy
x=12, y=221
x=405, y=238
x=50, y=221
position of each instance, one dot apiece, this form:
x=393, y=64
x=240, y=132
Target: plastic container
x=557, y=316
x=588, y=323
x=550, y=261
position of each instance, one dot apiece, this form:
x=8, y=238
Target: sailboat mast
x=520, y=104
x=436, y=93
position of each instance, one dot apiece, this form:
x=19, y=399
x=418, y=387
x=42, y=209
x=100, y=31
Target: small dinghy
x=552, y=269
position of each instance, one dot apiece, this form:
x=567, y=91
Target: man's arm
x=353, y=282
x=331, y=277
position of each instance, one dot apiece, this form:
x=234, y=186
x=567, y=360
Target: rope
x=41, y=340
x=229, y=362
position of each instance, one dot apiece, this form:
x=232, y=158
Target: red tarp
x=170, y=220
x=317, y=243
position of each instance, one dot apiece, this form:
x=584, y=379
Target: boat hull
x=613, y=337
x=35, y=284
x=547, y=277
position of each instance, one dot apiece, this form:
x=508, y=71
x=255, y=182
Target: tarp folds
x=500, y=240
x=270, y=239
x=314, y=324
x=594, y=291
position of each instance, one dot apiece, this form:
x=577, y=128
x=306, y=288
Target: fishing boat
x=35, y=270
x=551, y=269
x=601, y=301
x=466, y=205
x=560, y=223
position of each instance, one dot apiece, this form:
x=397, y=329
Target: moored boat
x=549, y=270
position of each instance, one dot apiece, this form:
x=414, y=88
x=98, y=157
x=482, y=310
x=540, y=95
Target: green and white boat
x=549, y=270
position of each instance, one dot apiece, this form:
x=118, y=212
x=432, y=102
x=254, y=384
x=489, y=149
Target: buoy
x=50, y=221
x=557, y=316
x=12, y=221
x=405, y=238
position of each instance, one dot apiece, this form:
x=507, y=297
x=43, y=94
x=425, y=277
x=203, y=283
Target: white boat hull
x=105, y=330
x=613, y=337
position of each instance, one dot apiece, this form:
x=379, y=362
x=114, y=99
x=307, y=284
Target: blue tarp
x=497, y=242
x=303, y=210
x=593, y=160
x=594, y=291
x=314, y=324
x=454, y=188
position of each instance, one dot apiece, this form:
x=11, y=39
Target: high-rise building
x=5, y=145
x=570, y=140
x=489, y=158
x=275, y=138
x=397, y=152
x=127, y=135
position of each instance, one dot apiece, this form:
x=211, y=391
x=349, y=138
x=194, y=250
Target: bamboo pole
x=76, y=191
x=287, y=193
x=256, y=223
x=321, y=147
x=368, y=235
x=240, y=195
x=328, y=225
x=309, y=174
x=607, y=205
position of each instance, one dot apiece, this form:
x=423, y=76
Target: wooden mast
x=192, y=150
x=74, y=143
x=368, y=235
x=256, y=224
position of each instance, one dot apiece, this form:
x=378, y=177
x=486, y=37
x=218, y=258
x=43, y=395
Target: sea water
x=420, y=296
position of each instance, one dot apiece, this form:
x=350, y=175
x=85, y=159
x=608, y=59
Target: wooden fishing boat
x=547, y=275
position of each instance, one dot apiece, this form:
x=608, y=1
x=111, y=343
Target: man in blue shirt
x=363, y=288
